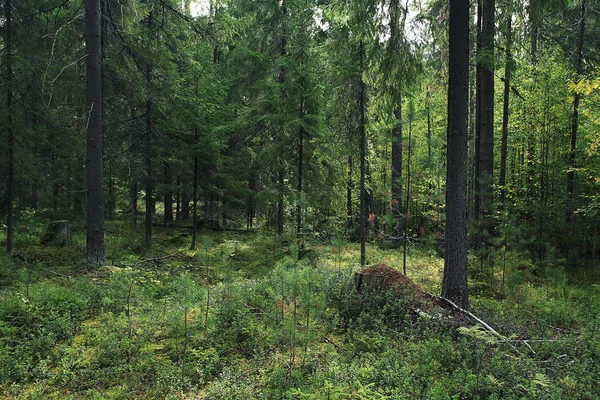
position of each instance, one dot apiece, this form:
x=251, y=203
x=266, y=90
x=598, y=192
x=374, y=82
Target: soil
x=393, y=279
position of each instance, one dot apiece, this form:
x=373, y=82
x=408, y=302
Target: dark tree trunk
x=349, y=188
x=251, y=211
x=149, y=172
x=185, y=203
x=11, y=139
x=195, y=195
x=168, y=200
x=397, y=171
x=477, y=160
x=111, y=193
x=454, y=286
x=486, y=141
x=34, y=196
x=133, y=196
x=505, y=115
x=178, y=199
x=281, y=176
x=471, y=181
x=301, y=133
x=408, y=188
x=575, y=120
x=95, y=195
x=134, y=200
x=363, y=155
x=281, y=80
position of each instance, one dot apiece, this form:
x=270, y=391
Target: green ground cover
x=241, y=317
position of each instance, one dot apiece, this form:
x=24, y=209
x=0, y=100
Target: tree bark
x=195, y=195
x=486, y=141
x=349, y=188
x=454, y=286
x=406, y=208
x=149, y=128
x=363, y=151
x=301, y=132
x=94, y=134
x=477, y=160
x=11, y=139
x=397, y=171
x=168, y=199
x=575, y=120
x=505, y=113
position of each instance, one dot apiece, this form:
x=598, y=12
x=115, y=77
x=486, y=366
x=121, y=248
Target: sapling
x=208, y=244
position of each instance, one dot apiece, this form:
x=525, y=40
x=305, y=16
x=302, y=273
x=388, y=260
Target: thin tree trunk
x=168, y=200
x=478, y=71
x=299, y=237
x=406, y=208
x=94, y=134
x=149, y=128
x=349, y=188
x=178, y=199
x=363, y=151
x=472, y=162
x=454, y=285
x=505, y=115
x=397, y=148
x=11, y=138
x=133, y=200
x=486, y=141
x=281, y=79
x=195, y=195
x=575, y=120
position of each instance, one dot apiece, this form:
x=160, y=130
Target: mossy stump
x=57, y=233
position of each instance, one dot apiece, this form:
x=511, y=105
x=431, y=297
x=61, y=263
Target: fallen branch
x=55, y=273
x=483, y=324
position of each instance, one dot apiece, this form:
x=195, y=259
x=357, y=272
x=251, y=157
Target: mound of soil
x=387, y=278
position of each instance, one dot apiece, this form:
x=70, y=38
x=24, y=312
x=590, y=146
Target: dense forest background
x=307, y=129
x=253, y=114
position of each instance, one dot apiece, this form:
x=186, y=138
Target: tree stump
x=57, y=233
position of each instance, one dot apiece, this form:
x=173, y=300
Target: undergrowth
x=241, y=317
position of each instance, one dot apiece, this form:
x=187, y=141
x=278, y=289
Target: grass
x=240, y=317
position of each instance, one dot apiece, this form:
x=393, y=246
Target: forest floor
x=242, y=317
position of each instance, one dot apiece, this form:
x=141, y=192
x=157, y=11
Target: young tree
x=95, y=194
x=11, y=139
x=575, y=118
x=454, y=285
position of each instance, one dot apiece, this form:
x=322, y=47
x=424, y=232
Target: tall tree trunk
x=11, y=139
x=195, y=195
x=349, y=188
x=575, y=120
x=178, y=199
x=454, y=285
x=281, y=79
x=486, y=141
x=168, y=199
x=478, y=71
x=397, y=171
x=408, y=188
x=280, y=206
x=133, y=199
x=471, y=174
x=149, y=129
x=363, y=155
x=94, y=134
x=505, y=111
x=301, y=132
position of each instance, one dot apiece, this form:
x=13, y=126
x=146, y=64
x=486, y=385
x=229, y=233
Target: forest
x=299, y=199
